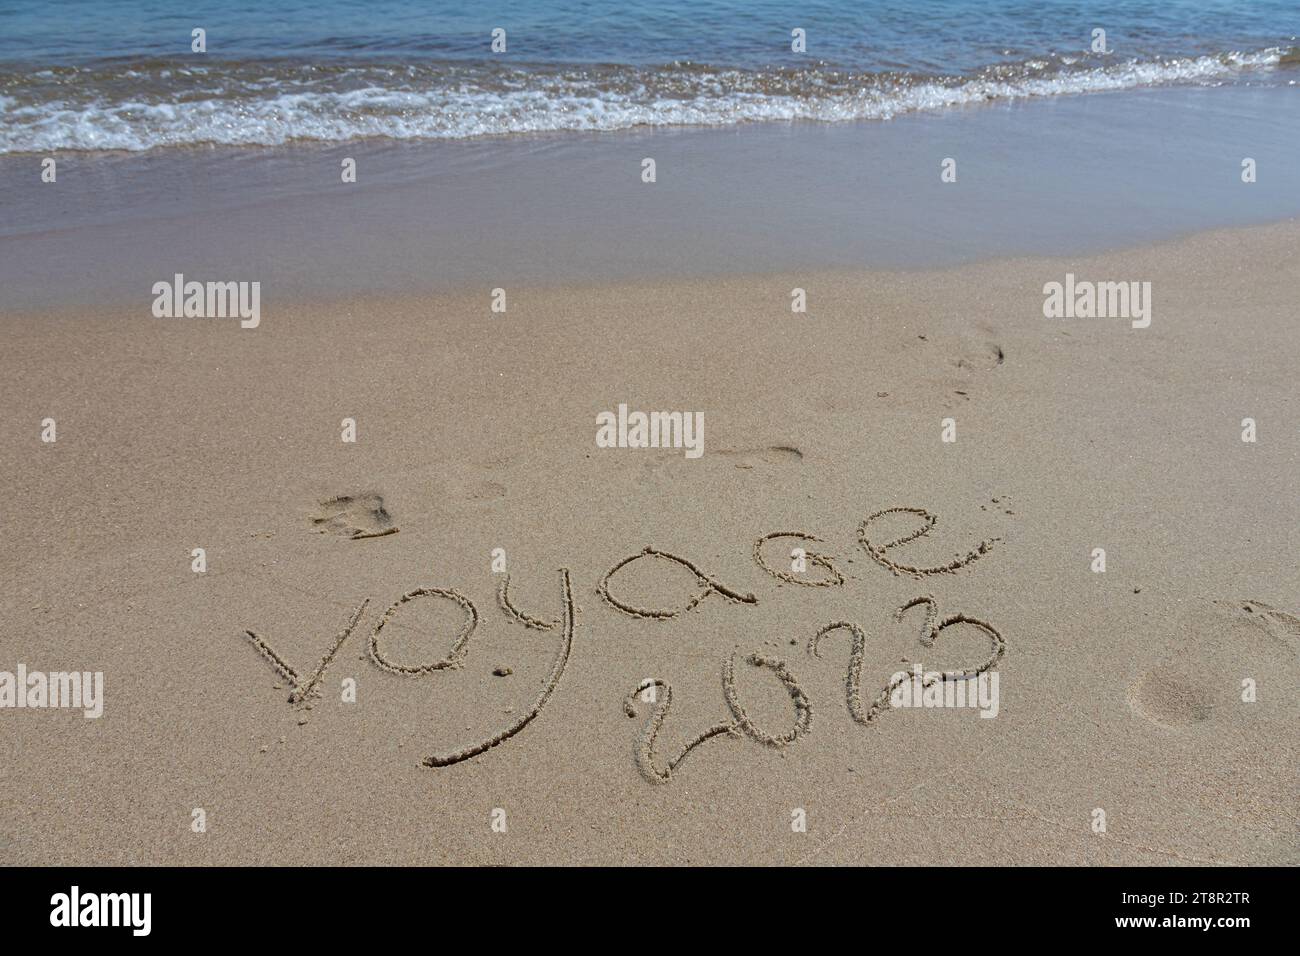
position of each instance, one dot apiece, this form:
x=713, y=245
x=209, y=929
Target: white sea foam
x=268, y=108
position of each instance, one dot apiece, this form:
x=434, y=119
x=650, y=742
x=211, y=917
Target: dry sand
x=1119, y=691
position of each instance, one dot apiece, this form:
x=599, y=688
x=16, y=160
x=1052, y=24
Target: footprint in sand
x=980, y=356
x=1278, y=624
x=485, y=491
x=1172, y=697
x=1199, y=680
x=360, y=515
x=767, y=455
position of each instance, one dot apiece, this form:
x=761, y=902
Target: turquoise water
x=229, y=161
x=935, y=36
x=121, y=75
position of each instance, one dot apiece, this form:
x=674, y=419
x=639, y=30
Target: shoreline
x=435, y=217
x=1283, y=231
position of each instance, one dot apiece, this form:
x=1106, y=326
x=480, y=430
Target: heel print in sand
x=741, y=724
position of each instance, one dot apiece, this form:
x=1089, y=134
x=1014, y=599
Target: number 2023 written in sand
x=741, y=725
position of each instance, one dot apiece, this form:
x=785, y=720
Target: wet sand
x=1065, y=176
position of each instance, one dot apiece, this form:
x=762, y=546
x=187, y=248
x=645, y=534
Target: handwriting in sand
x=657, y=692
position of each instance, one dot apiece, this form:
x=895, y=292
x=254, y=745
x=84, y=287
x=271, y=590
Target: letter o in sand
x=457, y=649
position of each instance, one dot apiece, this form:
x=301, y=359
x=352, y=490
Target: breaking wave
x=142, y=105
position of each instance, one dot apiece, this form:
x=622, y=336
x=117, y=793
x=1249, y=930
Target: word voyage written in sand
x=656, y=692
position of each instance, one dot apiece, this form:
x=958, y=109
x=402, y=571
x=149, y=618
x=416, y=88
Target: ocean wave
x=136, y=106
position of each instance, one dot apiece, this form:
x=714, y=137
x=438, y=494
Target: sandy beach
x=1120, y=691
x=689, y=433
